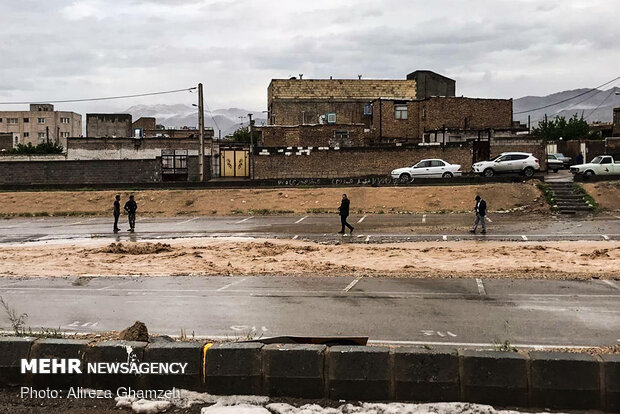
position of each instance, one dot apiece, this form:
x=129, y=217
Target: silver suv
x=508, y=162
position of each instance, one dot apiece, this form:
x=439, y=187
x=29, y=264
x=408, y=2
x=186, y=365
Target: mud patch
x=133, y=248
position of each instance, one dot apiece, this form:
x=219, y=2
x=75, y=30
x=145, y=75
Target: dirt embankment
x=501, y=196
x=606, y=194
x=565, y=260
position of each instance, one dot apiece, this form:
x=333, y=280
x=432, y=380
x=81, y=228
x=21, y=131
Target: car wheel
x=589, y=173
x=555, y=170
x=529, y=171
x=488, y=172
x=447, y=175
x=404, y=178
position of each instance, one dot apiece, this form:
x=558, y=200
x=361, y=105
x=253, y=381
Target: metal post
x=251, y=144
x=201, y=134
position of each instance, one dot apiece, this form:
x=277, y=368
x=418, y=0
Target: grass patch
x=318, y=211
x=586, y=197
x=548, y=194
x=267, y=212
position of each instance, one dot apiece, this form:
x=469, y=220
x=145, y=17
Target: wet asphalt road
x=403, y=227
x=455, y=312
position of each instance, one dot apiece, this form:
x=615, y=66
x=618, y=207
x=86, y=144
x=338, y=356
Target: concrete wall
x=429, y=84
x=354, y=162
x=129, y=148
x=108, y=125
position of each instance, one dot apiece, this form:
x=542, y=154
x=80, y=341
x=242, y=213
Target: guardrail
x=532, y=379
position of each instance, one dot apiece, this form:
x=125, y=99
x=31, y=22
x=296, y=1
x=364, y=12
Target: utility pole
x=201, y=134
x=251, y=144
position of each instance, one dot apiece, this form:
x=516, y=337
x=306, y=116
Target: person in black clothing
x=344, y=213
x=579, y=159
x=481, y=212
x=131, y=207
x=117, y=212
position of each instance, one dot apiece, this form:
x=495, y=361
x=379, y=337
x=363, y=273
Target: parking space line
x=489, y=219
x=445, y=237
x=244, y=220
x=367, y=238
x=350, y=285
x=295, y=237
x=301, y=219
x=606, y=237
x=231, y=284
x=362, y=219
x=481, y=290
x=423, y=218
x=610, y=283
x=524, y=237
x=187, y=221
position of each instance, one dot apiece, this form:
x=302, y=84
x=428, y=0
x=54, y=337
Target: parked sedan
x=432, y=168
x=553, y=163
x=567, y=161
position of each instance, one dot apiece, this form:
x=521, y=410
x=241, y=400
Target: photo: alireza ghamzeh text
x=267, y=207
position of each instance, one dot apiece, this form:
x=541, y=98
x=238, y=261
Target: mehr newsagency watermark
x=48, y=366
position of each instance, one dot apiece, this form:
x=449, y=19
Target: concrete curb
x=534, y=379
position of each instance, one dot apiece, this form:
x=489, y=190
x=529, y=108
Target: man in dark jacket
x=481, y=212
x=344, y=213
x=131, y=207
x=117, y=212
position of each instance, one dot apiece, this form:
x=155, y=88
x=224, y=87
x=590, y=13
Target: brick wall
x=145, y=122
x=298, y=112
x=80, y=172
x=6, y=141
x=385, y=126
x=311, y=136
x=340, y=88
x=354, y=162
x=108, y=125
x=480, y=113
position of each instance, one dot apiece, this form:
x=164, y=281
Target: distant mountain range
x=179, y=115
x=595, y=106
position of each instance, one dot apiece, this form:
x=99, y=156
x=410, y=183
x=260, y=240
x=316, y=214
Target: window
x=26, y=120
x=606, y=160
x=423, y=164
x=423, y=113
x=437, y=163
x=41, y=120
x=11, y=120
x=341, y=134
x=41, y=135
x=17, y=139
x=400, y=111
x=64, y=120
x=0, y=120
x=26, y=134
x=174, y=162
x=64, y=135
x=518, y=157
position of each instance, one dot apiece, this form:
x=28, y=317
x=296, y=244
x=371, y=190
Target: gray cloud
x=84, y=48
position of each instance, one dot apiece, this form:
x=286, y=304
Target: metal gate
x=234, y=163
x=481, y=151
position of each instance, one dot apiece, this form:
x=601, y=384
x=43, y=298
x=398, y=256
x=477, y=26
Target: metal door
x=234, y=163
x=481, y=151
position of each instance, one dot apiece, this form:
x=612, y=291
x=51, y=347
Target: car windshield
x=559, y=155
x=551, y=157
x=597, y=160
x=496, y=158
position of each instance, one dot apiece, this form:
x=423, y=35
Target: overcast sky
x=493, y=48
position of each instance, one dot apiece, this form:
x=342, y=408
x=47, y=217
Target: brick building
x=108, y=125
x=41, y=124
x=616, y=122
x=321, y=135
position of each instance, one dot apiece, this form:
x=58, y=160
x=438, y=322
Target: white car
x=508, y=162
x=432, y=168
x=600, y=165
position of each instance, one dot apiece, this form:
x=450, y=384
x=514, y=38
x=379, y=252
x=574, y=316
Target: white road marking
x=301, y=219
x=187, y=221
x=610, y=283
x=524, y=237
x=489, y=219
x=441, y=334
x=350, y=285
x=73, y=224
x=244, y=220
x=445, y=237
x=618, y=217
x=295, y=237
x=606, y=237
x=231, y=284
x=423, y=218
x=451, y=334
x=481, y=290
x=367, y=239
x=362, y=219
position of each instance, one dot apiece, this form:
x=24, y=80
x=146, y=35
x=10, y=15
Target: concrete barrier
x=359, y=372
x=294, y=370
x=535, y=379
x=565, y=380
x=426, y=375
x=491, y=377
x=234, y=368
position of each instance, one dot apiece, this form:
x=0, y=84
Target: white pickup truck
x=600, y=165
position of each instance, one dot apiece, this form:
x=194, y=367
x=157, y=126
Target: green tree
x=558, y=127
x=243, y=135
x=40, y=149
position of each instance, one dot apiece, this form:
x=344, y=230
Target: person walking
x=117, y=212
x=343, y=210
x=131, y=207
x=481, y=212
x=579, y=158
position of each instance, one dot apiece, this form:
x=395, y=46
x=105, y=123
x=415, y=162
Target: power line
x=599, y=105
x=566, y=100
x=100, y=99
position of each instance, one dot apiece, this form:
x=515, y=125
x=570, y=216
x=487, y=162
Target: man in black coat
x=131, y=207
x=481, y=212
x=117, y=212
x=344, y=213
